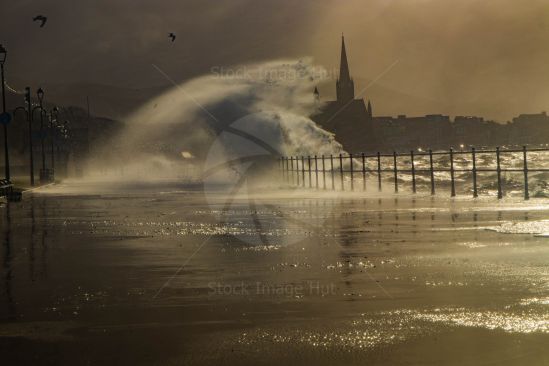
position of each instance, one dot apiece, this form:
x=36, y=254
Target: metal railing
x=321, y=172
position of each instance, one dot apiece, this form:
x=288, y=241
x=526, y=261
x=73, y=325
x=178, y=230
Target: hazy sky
x=486, y=57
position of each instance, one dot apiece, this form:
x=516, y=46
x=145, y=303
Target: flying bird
x=172, y=37
x=42, y=19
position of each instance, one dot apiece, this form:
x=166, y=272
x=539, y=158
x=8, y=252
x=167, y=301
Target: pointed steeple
x=345, y=87
x=344, y=73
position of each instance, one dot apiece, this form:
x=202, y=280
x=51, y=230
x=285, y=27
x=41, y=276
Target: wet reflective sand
x=163, y=275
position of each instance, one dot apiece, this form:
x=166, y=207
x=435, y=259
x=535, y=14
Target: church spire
x=344, y=74
x=345, y=87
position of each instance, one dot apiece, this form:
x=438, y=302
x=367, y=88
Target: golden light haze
x=465, y=57
x=457, y=57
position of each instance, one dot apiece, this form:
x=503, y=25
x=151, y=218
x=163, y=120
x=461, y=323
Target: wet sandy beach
x=169, y=276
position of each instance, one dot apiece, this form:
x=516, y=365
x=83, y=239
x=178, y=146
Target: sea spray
x=269, y=103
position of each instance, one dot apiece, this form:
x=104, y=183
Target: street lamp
x=5, y=118
x=28, y=114
x=40, y=95
x=29, y=110
x=14, y=113
x=54, y=112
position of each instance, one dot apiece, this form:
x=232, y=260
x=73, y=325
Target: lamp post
x=3, y=55
x=40, y=94
x=54, y=112
x=42, y=111
x=43, y=171
x=14, y=113
x=29, y=110
x=66, y=146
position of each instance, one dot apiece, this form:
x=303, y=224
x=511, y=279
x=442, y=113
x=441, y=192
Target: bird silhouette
x=172, y=37
x=42, y=19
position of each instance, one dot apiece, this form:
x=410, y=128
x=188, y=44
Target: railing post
x=281, y=166
x=475, y=189
x=310, y=173
x=379, y=171
x=303, y=171
x=395, y=170
x=292, y=169
x=316, y=171
x=287, y=169
x=297, y=170
x=432, y=171
x=525, y=165
x=332, y=170
x=500, y=192
x=341, y=171
x=351, y=170
x=413, y=171
x=363, y=172
x=323, y=173
x=452, y=178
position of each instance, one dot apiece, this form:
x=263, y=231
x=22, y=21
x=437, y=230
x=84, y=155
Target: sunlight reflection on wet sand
x=322, y=273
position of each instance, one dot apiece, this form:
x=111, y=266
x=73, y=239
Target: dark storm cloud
x=116, y=41
x=483, y=57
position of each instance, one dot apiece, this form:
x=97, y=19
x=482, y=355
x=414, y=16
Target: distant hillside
x=105, y=100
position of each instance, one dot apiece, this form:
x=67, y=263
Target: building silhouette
x=352, y=122
x=348, y=117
